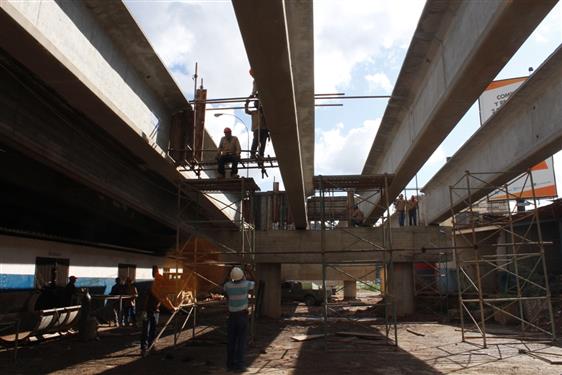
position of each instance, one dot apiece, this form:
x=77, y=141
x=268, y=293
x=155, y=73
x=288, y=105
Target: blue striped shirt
x=237, y=293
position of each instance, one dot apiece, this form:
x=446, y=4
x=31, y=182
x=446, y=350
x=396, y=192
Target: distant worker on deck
x=400, y=205
x=237, y=290
x=228, y=152
x=259, y=128
x=254, y=84
x=357, y=217
x=413, y=210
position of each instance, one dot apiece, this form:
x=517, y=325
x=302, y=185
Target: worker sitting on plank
x=228, y=152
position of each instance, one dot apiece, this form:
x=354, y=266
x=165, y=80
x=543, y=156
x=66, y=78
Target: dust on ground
x=423, y=348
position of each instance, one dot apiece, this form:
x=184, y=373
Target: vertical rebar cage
x=500, y=259
x=377, y=196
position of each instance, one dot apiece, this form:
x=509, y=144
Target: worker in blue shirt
x=237, y=290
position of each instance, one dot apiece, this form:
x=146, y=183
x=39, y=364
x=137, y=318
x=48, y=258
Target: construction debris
x=543, y=356
x=414, y=332
x=306, y=337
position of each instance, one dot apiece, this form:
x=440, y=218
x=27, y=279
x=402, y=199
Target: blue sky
x=359, y=48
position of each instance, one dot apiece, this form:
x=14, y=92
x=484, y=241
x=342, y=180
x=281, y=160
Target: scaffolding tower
x=500, y=260
x=431, y=283
x=196, y=249
x=377, y=186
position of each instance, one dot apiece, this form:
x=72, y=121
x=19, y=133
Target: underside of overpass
x=88, y=113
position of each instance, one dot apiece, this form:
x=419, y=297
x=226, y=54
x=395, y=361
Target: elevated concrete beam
x=314, y=272
x=300, y=21
x=95, y=57
x=267, y=40
x=526, y=130
x=350, y=245
x=457, y=49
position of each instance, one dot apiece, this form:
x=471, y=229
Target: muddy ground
x=423, y=348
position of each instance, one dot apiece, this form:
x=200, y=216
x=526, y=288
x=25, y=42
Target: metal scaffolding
x=378, y=187
x=196, y=249
x=431, y=283
x=501, y=269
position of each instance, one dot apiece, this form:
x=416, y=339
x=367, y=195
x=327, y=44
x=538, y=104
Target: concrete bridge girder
x=353, y=245
x=457, y=49
x=96, y=58
x=526, y=130
x=278, y=39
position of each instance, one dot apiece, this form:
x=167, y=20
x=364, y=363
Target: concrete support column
x=270, y=274
x=349, y=289
x=402, y=288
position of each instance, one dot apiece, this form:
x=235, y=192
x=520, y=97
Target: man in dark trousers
x=116, y=290
x=70, y=291
x=413, y=210
x=237, y=290
x=228, y=152
x=400, y=205
x=150, y=315
x=259, y=128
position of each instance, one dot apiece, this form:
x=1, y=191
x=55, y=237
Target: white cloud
x=379, y=81
x=341, y=152
x=348, y=33
x=183, y=33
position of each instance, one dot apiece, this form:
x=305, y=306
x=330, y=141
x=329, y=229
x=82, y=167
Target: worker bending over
x=228, y=152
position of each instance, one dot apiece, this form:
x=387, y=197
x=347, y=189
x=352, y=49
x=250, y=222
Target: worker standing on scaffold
x=236, y=290
x=259, y=128
x=228, y=152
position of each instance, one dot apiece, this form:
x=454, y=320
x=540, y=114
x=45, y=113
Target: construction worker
x=254, y=84
x=259, y=129
x=237, y=290
x=150, y=314
x=400, y=205
x=117, y=290
x=357, y=217
x=70, y=291
x=413, y=211
x=129, y=316
x=228, y=152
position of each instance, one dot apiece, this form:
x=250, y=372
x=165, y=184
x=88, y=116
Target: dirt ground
x=423, y=348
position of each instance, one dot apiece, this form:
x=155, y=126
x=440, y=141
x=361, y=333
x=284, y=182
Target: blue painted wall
x=17, y=282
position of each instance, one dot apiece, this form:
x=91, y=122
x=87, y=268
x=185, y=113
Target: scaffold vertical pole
x=458, y=263
x=478, y=261
x=323, y=250
x=514, y=251
x=542, y=255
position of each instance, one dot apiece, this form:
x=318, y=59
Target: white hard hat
x=236, y=274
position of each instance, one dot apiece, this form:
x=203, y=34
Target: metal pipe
x=541, y=248
x=356, y=97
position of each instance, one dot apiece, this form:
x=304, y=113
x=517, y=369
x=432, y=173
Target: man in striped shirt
x=237, y=291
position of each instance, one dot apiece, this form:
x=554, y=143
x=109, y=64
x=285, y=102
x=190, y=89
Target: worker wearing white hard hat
x=237, y=290
x=236, y=274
